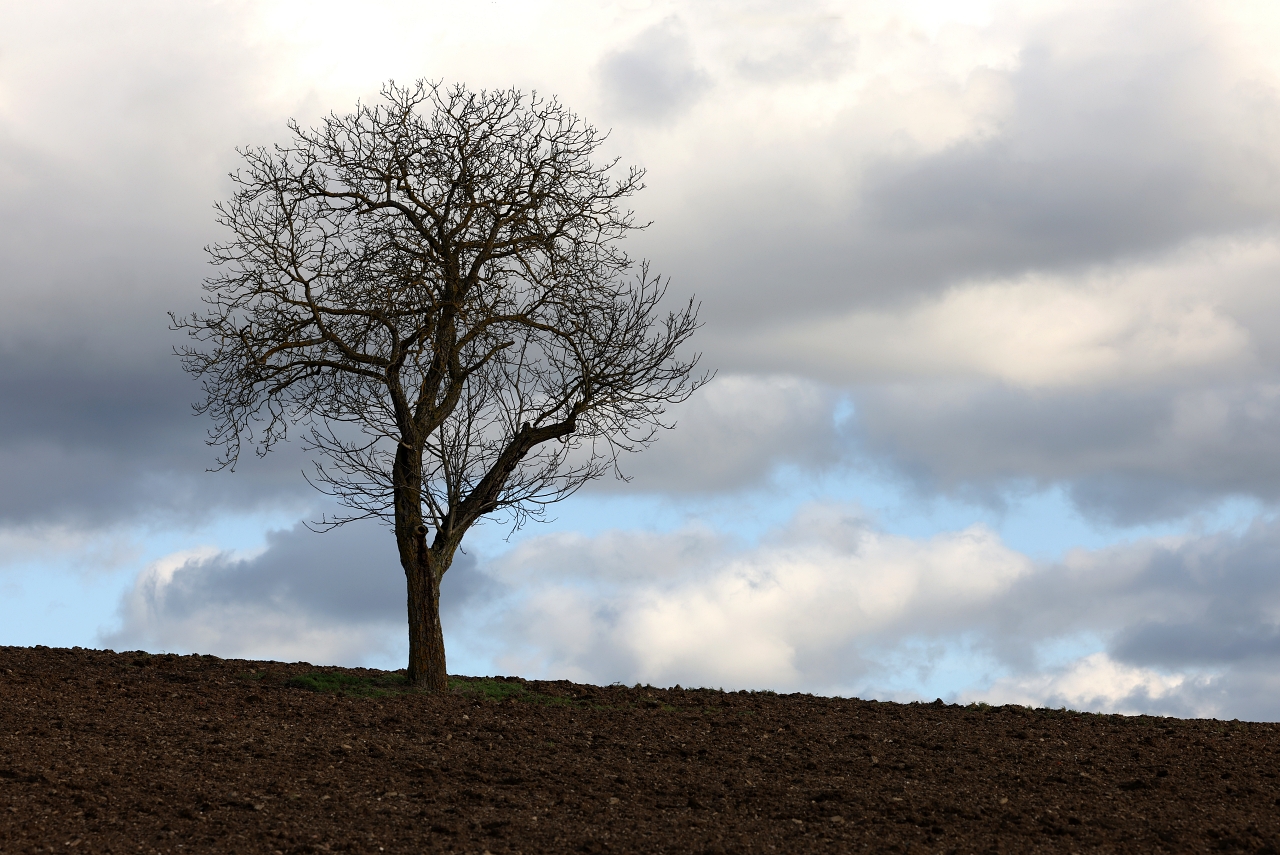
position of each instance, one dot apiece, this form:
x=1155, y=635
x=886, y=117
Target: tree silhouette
x=432, y=289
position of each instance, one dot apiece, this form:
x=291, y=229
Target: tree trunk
x=423, y=570
x=426, y=636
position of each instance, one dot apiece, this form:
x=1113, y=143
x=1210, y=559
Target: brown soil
x=126, y=752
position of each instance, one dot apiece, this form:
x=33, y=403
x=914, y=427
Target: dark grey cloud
x=1224, y=596
x=1164, y=644
x=1127, y=455
x=91, y=435
x=1100, y=158
x=351, y=575
x=105, y=206
x=655, y=77
x=108, y=172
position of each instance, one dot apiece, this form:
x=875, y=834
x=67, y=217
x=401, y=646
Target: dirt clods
x=132, y=753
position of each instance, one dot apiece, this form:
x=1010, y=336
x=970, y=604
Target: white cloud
x=1097, y=682
x=153, y=582
x=1180, y=319
x=829, y=603
x=689, y=607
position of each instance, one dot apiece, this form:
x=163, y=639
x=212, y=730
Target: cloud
x=655, y=77
x=1189, y=626
x=111, y=153
x=694, y=608
x=1183, y=318
x=1126, y=455
x=95, y=438
x=829, y=603
x=337, y=597
x=1219, y=603
x=1100, y=156
x=734, y=433
x=689, y=605
x=1003, y=201
x=791, y=43
x=1084, y=145
x=1146, y=388
x=109, y=162
x=1096, y=682
x=826, y=602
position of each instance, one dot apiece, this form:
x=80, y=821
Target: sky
x=991, y=290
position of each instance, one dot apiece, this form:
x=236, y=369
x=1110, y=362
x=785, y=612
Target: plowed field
x=129, y=753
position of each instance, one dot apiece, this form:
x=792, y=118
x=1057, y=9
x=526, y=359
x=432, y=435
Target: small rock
x=614, y=800
x=1004, y=800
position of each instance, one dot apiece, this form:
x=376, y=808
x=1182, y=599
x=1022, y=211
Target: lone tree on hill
x=433, y=288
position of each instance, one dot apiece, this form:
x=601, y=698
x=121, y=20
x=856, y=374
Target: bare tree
x=432, y=288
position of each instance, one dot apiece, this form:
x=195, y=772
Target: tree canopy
x=433, y=289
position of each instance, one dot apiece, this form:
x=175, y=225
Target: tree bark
x=423, y=570
x=426, y=635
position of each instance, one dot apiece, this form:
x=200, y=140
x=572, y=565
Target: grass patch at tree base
x=396, y=683
x=336, y=682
